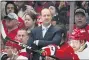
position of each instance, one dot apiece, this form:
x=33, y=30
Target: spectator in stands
x=62, y=13
x=45, y=34
x=10, y=7
x=30, y=21
x=22, y=36
x=11, y=26
x=80, y=22
x=62, y=19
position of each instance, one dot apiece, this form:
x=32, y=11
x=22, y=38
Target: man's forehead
x=22, y=32
x=45, y=10
x=10, y=4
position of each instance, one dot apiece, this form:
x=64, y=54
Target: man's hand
x=36, y=42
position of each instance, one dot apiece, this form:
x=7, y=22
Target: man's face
x=22, y=35
x=9, y=50
x=10, y=8
x=28, y=21
x=80, y=20
x=46, y=16
x=10, y=23
x=75, y=44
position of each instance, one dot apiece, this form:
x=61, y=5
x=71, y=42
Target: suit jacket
x=52, y=36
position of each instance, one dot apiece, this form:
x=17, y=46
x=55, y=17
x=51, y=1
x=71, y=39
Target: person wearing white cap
x=11, y=25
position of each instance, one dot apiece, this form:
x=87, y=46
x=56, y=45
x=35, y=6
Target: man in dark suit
x=45, y=34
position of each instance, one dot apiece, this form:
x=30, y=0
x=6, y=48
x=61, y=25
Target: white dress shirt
x=44, y=29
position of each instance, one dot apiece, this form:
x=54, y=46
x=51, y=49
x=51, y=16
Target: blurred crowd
x=26, y=21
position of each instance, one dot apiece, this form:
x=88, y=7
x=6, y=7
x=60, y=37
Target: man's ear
x=82, y=42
